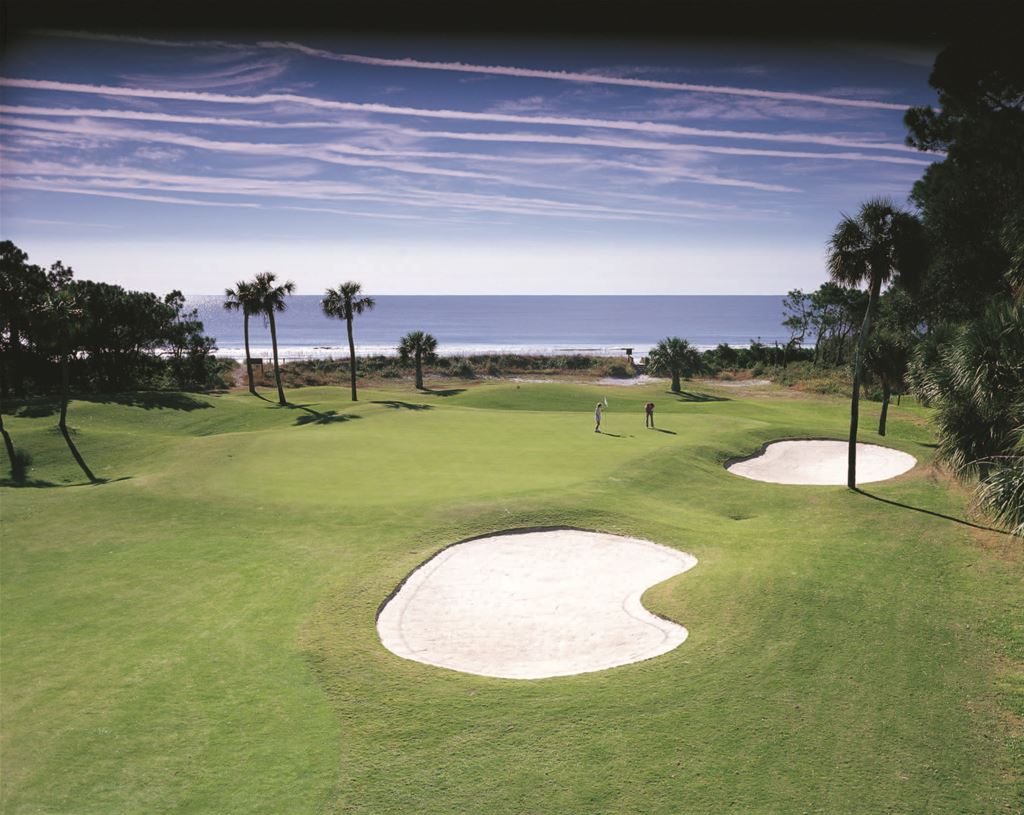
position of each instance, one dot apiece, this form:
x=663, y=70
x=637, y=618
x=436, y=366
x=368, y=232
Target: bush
x=817, y=379
x=462, y=368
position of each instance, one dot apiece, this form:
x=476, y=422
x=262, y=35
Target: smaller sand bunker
x=806, y=461
x=534, y=604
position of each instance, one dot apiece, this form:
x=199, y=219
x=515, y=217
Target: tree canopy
x=971, y=202
x=117, y=339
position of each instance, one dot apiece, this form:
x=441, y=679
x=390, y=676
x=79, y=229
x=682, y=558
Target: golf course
x=197, y=633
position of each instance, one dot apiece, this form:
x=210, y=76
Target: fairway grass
x=197, y=634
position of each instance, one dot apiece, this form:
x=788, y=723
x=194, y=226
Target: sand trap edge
x=520, y=530
x=525, y=530
x=729, y=462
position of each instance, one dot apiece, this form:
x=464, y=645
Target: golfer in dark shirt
x=649, y=411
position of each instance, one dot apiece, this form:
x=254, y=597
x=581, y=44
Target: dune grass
x=197, y=633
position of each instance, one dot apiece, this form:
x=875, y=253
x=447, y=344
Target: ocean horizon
x=523, y=324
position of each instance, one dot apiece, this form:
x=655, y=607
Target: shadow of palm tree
x=693, y=396
x=934, y=514
x=39, y=483
x=396, y=404
x=327, y=417
x=444, y=392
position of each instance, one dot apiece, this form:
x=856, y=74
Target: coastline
x=340, y=352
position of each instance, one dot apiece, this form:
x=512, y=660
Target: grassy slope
x=198, y=637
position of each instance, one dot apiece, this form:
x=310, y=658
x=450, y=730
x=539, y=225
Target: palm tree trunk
x=248, y=358
x=63, y=423
x=277, y=367
x=419, y=372
x=17, y=376
x=886, y=393
x=676, y=387
x=351, y=356
x=851, y=465
x=8, y=444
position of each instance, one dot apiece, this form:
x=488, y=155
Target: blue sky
x=449, y=165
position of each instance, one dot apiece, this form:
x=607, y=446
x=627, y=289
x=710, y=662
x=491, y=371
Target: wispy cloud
x=245, y=75
x=585, y=77
x=124, y=182
x=608, y=77
x=45, y=186
x=652, y=128
x=253, y=148
x=638, y=144
x=355, y=156
x=56, y=222
x=379, y=129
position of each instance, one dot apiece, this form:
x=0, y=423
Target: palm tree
x=421, y=348
x=344, y=303
x=675, y=357
x=241, y=298
x=973, y=376
x=886, y=355
x=64, y=311
x=880, y=245
x=270, y=299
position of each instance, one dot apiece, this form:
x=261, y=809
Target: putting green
x=199, y=634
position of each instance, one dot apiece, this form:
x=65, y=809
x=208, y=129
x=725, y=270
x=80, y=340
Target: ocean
x=472, y=324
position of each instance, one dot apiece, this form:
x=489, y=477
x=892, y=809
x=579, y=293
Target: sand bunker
x=534, y=604
x=821, y=462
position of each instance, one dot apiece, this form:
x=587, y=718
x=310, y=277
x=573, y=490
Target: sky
x=449, y=165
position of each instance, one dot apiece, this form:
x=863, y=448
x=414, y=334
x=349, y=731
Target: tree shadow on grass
x=444, y=392
x=395, y=404
x=960, y=521
x=41, y=407
x=316, y=417
x=148, y=400
x=693, y=396
x=39, y=483
x=36, y=409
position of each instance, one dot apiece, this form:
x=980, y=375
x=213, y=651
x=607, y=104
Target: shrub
x=462, y=368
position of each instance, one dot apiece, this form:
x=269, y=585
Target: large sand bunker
x=807, y=461
x=528, y=605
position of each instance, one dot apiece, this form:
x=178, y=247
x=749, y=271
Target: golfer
x=597, y=418
x=649, y=414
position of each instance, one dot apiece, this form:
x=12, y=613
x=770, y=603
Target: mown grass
x=197, y=634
